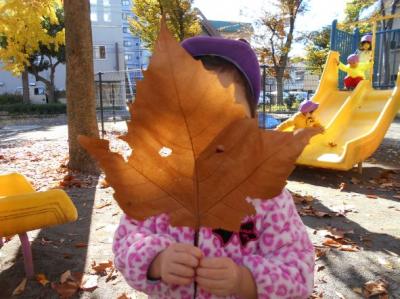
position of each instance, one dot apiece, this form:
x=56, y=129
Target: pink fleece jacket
x=273, y=244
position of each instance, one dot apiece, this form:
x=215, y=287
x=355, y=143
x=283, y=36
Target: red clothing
x=351, y=82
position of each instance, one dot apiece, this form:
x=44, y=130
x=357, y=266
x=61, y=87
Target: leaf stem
x=196, y=244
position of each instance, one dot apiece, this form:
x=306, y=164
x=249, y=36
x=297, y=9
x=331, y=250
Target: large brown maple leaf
x=196, y=155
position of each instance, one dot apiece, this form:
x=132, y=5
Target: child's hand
x=319, y=129
x=219, y=276
x=176, y=264
x=336, y=61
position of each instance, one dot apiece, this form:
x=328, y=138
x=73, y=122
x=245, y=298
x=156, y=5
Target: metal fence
x=387, y=58
x=115, y=89
x=299, y=84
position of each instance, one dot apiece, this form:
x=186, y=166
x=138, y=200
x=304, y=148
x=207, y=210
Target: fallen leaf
x=81, y=245
x=41, y=278
x=316, y=295
x=20, y=288
x=377, y=287
x=176, y=166
x=67, y=255
x=310, y=211
x=297, y=198
x=112, y=275
x=320, y=268
x=102, y=205
x=321, y=251
x=123, y=296
x=351, y=248
x=70, y=283
x=372, y=196
x=357, y=290
x=332, y=232
x=331, y=243
x=65, y=276
x=66, y=289
x=89, y=282
x=101, y=267
x=332, y=144
x=340, y=295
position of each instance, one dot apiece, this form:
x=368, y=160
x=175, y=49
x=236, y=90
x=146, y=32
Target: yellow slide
x=355, y=122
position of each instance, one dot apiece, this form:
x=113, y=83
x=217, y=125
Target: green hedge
x=35, y=108
x=10, y=99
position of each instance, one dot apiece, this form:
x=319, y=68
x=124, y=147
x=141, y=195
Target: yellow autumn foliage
x=22, y=32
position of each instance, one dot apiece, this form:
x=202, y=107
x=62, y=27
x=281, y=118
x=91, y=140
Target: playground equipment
x=355, y=121
x=22, y=210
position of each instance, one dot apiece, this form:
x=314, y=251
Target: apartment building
x=115, y=51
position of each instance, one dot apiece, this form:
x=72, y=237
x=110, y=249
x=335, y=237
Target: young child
x=302, y=119
x=271, y=256
x=365, y=52
x=355, y=71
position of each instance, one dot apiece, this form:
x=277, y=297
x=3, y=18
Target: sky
x=319, y=14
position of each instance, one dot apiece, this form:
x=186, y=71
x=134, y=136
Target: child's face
x=353, y=65
x=308, y=114
x=228, y=77
x=366, y=46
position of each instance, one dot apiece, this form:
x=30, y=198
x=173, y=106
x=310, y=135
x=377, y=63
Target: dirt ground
x=353, y=220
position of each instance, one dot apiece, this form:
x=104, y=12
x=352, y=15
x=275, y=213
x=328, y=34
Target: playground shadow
x=15, y=136
x=353, y=269
x=374, y=180
x=55, y=250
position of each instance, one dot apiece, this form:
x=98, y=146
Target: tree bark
x=50, y=93
x=279, y=89
x=25, y=87
x=81, y=104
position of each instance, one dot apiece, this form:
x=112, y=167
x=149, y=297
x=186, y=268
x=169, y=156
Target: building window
x=93, y=2
x=124, y=16
x=39, y=91
x=100, y=52
x=93, y=16
x=125, y=2
x=125, y=29
x=127, y=43
x=137, y=57
x=107, y=16
x=128, y=57
x=106, y=3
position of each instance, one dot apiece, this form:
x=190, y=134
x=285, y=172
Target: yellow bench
x=22, y=210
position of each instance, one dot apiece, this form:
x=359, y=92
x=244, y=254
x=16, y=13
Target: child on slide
x=355, y=70
x=365, y=52
x=302, y=119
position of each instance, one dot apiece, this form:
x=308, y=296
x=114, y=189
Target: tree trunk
x=50, y=93
x=81, y=105
x=25, y=87
x=279, y=89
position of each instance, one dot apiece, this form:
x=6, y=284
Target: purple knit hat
x=366, y=38
x=237, y=52
x=308, y=106
x=353, y=58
